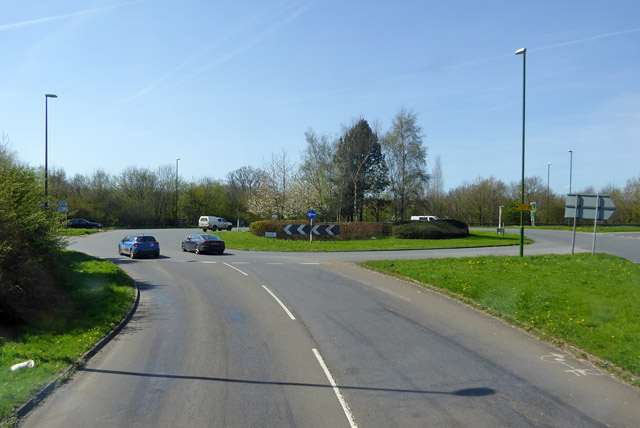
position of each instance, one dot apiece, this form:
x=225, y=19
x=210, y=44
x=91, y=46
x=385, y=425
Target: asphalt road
x=309, y=340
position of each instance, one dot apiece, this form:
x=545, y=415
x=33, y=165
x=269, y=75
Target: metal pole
x=570, y=168
x=595, y=225
x=176, y=215
x=523, y=51
x=548, y=175
x=46, y=146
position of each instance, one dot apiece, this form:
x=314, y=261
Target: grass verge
x=78, y=232
x=249, y=241
x=98, y=295
x=587, y=301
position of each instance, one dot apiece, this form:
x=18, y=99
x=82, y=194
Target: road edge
x=65, y=375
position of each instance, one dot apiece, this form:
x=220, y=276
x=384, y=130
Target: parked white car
x=424, y=217
x=210, y=222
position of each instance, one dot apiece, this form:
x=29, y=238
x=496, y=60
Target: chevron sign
x=318, y=230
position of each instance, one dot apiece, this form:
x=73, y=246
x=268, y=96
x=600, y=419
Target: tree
x=361, y=168
x=406, y=158
x=318, y=172
x=241, y=184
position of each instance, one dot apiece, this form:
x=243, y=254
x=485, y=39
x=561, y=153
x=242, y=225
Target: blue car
x=136, y=246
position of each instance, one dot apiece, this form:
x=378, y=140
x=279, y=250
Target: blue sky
x=225, y=84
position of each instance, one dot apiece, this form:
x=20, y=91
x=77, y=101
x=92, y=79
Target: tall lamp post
x=46, y=146
x=548, y=175
x=570, y=167
x=176, y=216
x=523, y=52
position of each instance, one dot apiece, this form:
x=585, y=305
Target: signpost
x=523, y=207
x=588, y=207
x=311, y=214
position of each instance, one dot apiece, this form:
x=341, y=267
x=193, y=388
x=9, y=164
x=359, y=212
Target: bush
x=29, y=245
x=348, y=231
x=438, y=229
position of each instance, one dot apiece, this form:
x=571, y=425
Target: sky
x=227, y=84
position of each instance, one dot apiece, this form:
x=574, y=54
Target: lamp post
x=570, y=167
x=176, y=215
x=548, y=175
x=46, y=146
x=523, y=52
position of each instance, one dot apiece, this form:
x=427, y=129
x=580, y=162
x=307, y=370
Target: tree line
x=362, y=174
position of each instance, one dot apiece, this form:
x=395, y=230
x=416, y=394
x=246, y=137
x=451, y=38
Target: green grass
x=248, y=241
x=99, y=295
x=588, y=301
x=78, y=232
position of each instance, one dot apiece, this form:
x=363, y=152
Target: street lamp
x=570, y=167
x=523, y=52
x=548, y=175
x=46, y=146
x=176, y=216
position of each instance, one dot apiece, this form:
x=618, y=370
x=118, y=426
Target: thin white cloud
x=586, y=39
x=287, y=15
x=18, y=25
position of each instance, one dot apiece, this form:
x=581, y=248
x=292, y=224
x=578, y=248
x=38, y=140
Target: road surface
x=310, y=340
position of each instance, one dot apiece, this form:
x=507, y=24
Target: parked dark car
x=80, y=223
x=136, y=246
x=204, y=243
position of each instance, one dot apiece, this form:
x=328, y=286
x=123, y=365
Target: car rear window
x=210, y=238
x=146, y=239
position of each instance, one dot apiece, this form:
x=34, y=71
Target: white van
x=424, y=217
x=210, y=222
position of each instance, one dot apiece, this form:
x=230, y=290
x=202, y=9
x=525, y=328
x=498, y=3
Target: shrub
x=439, y=229
x=29, y=245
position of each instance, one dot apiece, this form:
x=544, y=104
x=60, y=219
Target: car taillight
x=136, y=245
x=157, y=244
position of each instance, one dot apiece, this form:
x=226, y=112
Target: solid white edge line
x=280, y=302
x=336, y=390
x=233, y=267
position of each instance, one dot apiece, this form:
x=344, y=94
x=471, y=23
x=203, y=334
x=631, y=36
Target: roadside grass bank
x=78, y=232
x=248, y=241
x=587, y=301
x=97, y=295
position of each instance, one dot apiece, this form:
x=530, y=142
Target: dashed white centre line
x=280, y=302
x=336, y=390
x=233, y=267
x=309, y=263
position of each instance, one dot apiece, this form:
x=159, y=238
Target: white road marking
x=336, y=390
x=233, y=267
x=280, y=302
x=309, y=263
x=274, y=263
x=211, y=263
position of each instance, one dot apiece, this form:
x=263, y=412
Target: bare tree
x=406, y=159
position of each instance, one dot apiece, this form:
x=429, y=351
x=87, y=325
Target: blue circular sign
x=311, y=214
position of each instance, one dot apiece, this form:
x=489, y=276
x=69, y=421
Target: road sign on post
x=588, y=207
x=523, y=207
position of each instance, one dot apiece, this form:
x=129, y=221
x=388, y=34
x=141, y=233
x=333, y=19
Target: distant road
x=263, y=339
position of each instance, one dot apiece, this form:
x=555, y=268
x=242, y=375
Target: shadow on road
x=466, y=392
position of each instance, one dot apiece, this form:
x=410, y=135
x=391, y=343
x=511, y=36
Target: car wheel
x=131, y=254
x=214, y=228
x=197, y=250
x=119, y=251
x=156, y=255
x=183, y=247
